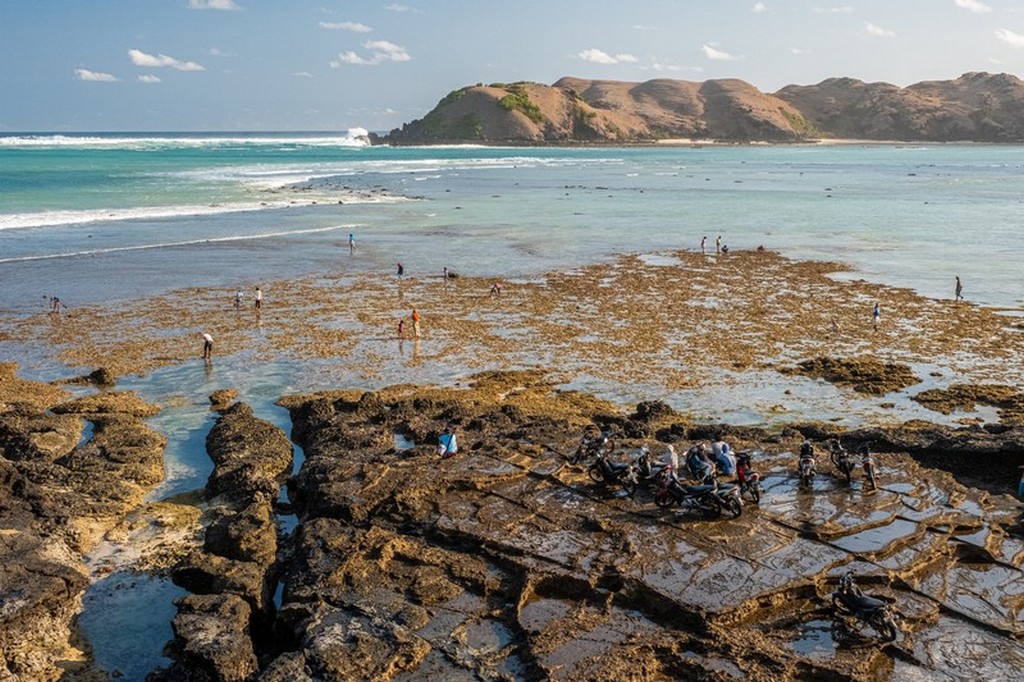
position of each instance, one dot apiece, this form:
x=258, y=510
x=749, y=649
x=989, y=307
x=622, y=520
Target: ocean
x=119, y=218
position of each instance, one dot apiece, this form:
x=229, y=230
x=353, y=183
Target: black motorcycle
x=806, y=468
x=852, y=604
x=841, y=460
x=609, y=473
x=590, y=445
x=710, y=498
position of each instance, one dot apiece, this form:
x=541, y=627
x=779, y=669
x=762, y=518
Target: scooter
x=868, y=464
x=709, y=498
x=850, y=603
x=841, y=460
x=748, y=479
x=603, y=471
x=646, y=469
x=806, y=467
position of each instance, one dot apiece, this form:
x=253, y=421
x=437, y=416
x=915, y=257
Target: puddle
x=126, y=618
x=402, y=443
x=487, y=636
x=815, y=640
x=536, y=615
x=87, y=430
x=876, y=540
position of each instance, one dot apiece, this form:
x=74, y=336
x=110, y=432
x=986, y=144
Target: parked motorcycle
x=748, y=479
x=867, y=462
x=850, y=603
x=710, y=499
x=590, y=445
x=609, y=473
x=647, y=469
x=841, y=460
x=806, y=469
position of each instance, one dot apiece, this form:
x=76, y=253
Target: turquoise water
x=118, y=218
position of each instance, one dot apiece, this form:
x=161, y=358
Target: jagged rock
x=211, y=574
x=213, y=641
x=101, y=376
x=124, y=403
x=246, y=535
x=222, y=398
x=251, y=456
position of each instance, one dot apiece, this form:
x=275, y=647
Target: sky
x=332, y=65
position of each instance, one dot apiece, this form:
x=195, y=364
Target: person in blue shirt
x=446, y=444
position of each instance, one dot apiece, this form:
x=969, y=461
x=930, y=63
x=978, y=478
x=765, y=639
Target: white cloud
x=759, y=7
x=973, y=6
x=96, y=76
x=217, y=52
x=140, y=58
x=878, y=31
x=228, y=5
x=149, y=78
x=644, y=27
x=716, y=54
x=380, y=51
x=1010, y=38
x=845, y=9
x=600, y=57
x=797, y=50
x=353, y=26
x=303, y=74
x=398, y=7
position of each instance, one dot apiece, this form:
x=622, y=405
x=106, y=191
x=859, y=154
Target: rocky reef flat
x=375, y=559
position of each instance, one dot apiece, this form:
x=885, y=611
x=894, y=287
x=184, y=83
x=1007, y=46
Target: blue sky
x=232, y=65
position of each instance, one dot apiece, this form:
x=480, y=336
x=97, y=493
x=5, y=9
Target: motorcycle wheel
x=595, y=474
x=664, y=501
x=753, y=490
x=871, y=478
x=629, y=486
x=882, y=623
x=710, y=509
x=734, y=507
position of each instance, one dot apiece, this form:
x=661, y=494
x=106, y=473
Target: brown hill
x=977, y=106
x=580, y=110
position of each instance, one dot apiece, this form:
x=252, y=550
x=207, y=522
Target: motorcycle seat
x=698, y=489
x=863, y=603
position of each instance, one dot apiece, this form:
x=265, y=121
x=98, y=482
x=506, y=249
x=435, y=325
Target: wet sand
x=667, y=321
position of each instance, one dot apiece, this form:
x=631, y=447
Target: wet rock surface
x=506, y=562
x=59, y=492
x=864, y=375
x=232, y=576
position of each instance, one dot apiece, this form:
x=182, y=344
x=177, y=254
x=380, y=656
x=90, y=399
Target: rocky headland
x=976, y=107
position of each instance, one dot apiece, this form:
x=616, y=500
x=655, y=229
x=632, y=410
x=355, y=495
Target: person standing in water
x=718, y=244
x=958, y=294
x=416, y=323
x=207, y=347
x=704, y=244
x=351, y=243
x=259, y=298
x=401, y=271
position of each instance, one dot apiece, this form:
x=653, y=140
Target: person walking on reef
x=207, y=346
x=959, y=290
x=718, y=244
x=238, y=299
x=875, y=317
x=704, y=244
x=416, y=323
x=259, y=298
x=351, y=243
x=401, y=271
